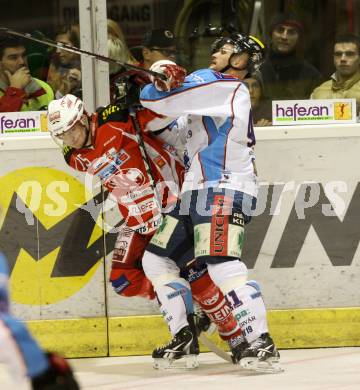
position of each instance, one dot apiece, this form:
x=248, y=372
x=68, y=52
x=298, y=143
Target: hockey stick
x=132, y=113
x=76, y=50
x=214, y=348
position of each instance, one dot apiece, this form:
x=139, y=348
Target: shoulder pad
x=112, y=113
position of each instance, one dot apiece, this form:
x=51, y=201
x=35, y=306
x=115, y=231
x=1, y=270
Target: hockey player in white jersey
x=218, y=196
x=22, y=354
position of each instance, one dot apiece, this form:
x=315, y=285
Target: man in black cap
x=287, y=76
x=158, y=44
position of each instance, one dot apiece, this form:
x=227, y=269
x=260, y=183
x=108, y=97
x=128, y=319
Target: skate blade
x=269, y=366
x=187, y=362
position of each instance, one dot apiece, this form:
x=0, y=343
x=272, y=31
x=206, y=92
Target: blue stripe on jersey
x=210, y=128
x=254, y=284
x=4, y=274
x=212, y=157
x=226, y=126
x=185, y=293
x=35, y=360
x=4, y=269
x=197, y=79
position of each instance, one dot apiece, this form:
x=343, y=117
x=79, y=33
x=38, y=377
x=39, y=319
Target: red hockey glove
x=131, y=283
x=175, y=75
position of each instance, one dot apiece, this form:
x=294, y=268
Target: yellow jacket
x=333, y=89
x=34, y=97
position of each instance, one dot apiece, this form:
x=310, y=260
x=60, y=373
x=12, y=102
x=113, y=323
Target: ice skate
x=261, y=356
x=237, y=347
x=180, y=352
x=202, y=321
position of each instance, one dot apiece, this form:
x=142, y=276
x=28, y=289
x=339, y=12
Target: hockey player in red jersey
x=106, y=144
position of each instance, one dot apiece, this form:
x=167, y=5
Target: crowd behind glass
x=33, y=74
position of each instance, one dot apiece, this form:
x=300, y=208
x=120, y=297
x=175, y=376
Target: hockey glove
x=131, y=283
x=175, y=75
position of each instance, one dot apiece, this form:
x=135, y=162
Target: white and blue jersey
x=17, y=347
x=218, y=129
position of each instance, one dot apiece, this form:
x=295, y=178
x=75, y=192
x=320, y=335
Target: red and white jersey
x=115, y=158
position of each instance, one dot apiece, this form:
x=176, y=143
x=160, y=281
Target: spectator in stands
x=19, y=91
x=345, y=82
x=117, y=50
x=117, y=47
x=65, y=70
x=114, y=30
x=287, y=76
x=261, y=107
x=158, y=44
x=38, y=56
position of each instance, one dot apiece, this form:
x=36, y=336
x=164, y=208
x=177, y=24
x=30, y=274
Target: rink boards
x=303, y=247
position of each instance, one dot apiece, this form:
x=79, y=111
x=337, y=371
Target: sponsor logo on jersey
x=149, y=226
x=136, y=194
x=195, y=274
x=142, y=207
x=120, y=284
x=237, y=219
x=225, y=177
x=242, y=314
x=220, y=315
x=219, y=226
x=122, y=245
x=212, y=300
x=111, y=109
x=109, y=163
x=81, y=161
x=165, y=231
x=223, y=76
x=202, y=239
x=159, y=161
x=249, y=320
x=181, y=291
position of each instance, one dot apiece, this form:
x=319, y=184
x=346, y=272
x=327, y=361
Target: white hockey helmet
x=64, y=113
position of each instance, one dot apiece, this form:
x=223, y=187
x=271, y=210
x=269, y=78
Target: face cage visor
x=220, y=42
x=255, y=56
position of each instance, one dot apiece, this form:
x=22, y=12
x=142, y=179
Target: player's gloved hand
x=58, y=376
x=131, y=283
x=175, y=75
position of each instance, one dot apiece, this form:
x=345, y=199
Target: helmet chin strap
x=228, y=66
x=86, y=139
x=85, y=122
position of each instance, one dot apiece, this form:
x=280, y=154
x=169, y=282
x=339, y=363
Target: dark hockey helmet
x=243, y=44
